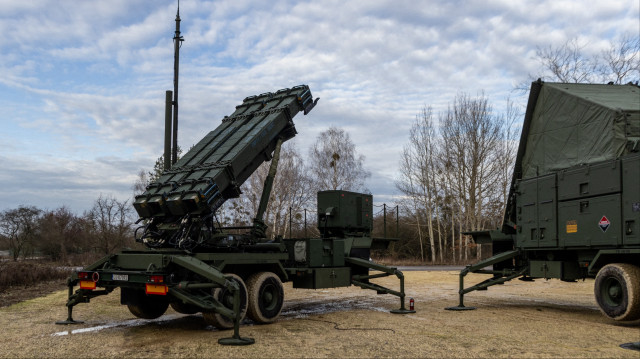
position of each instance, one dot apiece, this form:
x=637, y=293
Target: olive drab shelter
x=577, y=124
x=573, y=209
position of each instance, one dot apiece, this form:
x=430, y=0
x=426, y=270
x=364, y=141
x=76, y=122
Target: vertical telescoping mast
x=177, y=42
x=171, y=131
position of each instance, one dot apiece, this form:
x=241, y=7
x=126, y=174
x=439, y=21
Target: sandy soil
x=518, y=319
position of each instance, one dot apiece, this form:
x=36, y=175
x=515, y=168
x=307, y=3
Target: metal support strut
x=362, y=281
x=499, y=276
x=236, y=339
x=69, y=319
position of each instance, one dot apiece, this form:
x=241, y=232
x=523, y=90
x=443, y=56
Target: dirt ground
x=519, y=319
x=18, y=294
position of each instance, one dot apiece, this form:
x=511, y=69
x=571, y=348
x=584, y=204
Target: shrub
x=26, y=273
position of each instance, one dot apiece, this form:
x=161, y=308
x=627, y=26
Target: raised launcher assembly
x=194, y=265
x=179, y=207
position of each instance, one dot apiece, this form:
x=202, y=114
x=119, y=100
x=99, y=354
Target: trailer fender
x=607, y=256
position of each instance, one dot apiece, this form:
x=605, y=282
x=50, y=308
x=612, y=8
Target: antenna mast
x=177, y=42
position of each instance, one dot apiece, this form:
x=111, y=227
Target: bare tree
x=568, y=63
x=61, y=233
x=506, y=153
x=111, y=223
x=411, y=205
x=335, y=163
x=621, y=62
x=19, y=227
x=572, y=62
x=419, y=180
x=472, y=138
x=292, y=191
x=455, y=174
x=141, y=183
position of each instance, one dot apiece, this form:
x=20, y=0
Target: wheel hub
x=614, y=292
x=268, y=297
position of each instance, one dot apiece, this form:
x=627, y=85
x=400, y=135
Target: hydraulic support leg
x=499, y=276
x=362, y=281
x=69, y=319
x=80, y=296
x=236, y=339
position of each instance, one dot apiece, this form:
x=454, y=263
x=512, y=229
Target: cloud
x=87, y=79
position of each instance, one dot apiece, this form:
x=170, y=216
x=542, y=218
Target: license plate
x=124, y=277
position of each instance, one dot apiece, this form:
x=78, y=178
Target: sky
x=82, y=83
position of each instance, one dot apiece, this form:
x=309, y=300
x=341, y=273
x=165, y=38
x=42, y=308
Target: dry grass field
x=544, y=319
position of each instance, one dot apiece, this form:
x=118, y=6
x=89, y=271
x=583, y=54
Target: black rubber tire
x=149, y=309
x=617, y=291
x=225, y=297
x=266, y=297
x=184, y=308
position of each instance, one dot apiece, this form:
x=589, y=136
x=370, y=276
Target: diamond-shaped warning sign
x=604, y=223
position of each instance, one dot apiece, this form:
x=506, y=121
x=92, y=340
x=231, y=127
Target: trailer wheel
x=183, y=308
x=225, y=296
x=617, y=291
x=266, y=297
x=148, y=309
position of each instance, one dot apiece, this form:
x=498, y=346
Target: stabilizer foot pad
x=460, y=308
x=69, y=321
x=402, y=311
x=632, y=346
x=236, y=341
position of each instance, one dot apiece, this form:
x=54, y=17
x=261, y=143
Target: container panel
x=631, y=199
x=589, y=180
x=555, y=269
x=547, y=211
x=591, y=222
x=332, y=277
x=348, y=211
x=527, y=212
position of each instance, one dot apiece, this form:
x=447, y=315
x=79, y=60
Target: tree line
x=62, y=236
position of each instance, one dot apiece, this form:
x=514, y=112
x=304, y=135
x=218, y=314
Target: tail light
x=156, y=285
x=156, y=279
x=83, y=275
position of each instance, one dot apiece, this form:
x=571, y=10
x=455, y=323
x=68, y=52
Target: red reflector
x=83, y=275
x=156, y=279
x=156, y=289
x=87, y=284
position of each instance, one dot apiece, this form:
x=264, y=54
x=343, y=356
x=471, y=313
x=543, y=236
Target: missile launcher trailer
x=574, y=205
x=194, y=265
